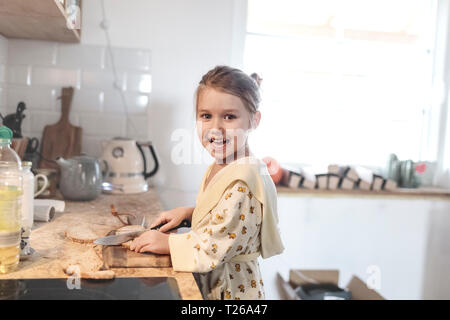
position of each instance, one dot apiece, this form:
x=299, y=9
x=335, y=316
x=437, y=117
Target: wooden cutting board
x=120, y=257
x=61, y=139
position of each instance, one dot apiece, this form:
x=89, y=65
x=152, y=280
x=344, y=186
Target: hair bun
x=257, y=78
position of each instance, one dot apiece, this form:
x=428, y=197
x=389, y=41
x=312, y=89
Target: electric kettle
x=125, y=166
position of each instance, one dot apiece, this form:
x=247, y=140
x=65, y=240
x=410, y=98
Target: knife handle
x=183, y=224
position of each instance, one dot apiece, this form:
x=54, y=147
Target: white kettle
x=125, y=166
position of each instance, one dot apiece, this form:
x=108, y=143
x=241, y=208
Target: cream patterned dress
x=230, y=229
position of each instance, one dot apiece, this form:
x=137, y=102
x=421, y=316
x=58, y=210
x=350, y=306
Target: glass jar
x=27, y=208
x=10, y=205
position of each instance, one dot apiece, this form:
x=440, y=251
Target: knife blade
x=113, y=240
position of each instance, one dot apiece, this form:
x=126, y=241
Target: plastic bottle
x=10, y=203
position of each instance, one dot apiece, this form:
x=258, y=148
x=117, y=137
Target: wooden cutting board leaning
x=61, y=139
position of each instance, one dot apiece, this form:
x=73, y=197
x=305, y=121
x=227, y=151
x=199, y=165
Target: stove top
x=151, y=288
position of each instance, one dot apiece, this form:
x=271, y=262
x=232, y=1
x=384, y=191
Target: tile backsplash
x=3, y=63
x=35, y=71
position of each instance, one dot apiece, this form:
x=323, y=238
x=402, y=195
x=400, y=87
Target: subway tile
x=103, y=125
x=18, y=74
x=135, y=102
x=34, y=98
x=43, y=98
x=87, y=100
x=139, y=82
x=77, y=55
x=137, y=127
x=60, y=77
x=40, y=119
x=32, y=52
x=16, y=94
x=74, y=119
x=3, y=49
x=102, y=79
x=92, y=146
x=2, y=73
x=3, y=55
x=139, y=59
x=3, y=93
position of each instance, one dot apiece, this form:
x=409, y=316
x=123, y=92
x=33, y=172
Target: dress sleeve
x=224, y=233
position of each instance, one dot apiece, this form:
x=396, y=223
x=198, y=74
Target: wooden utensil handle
x=66, y=101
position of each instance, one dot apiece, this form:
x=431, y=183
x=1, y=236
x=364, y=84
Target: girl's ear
x=256, y=118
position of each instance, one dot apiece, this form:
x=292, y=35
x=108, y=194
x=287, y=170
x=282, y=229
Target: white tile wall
x=3, y=49
x=3, y=62
x=74, y=55
x=32, y=52
x=2, y=97
x=2, y=73
x=130, y=58
x=35, y=71
x=18, y=74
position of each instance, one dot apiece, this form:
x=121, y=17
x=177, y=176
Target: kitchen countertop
x=54, y=252
x=399, y=193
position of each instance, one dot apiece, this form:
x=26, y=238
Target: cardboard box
x=358, y=288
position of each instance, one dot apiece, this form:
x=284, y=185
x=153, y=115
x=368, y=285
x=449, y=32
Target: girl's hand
x=173, y=218
x=151, y=241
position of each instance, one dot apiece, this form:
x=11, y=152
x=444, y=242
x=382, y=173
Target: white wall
x=3, y=64
x=407, y=240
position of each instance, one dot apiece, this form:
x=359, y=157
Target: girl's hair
x=235, y=82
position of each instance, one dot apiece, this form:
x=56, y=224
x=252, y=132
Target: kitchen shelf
x=399, y=193
x=36, y=19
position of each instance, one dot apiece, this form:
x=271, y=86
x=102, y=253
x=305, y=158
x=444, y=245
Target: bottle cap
x=5, y=133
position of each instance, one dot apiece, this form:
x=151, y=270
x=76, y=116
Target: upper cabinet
x=51, y=20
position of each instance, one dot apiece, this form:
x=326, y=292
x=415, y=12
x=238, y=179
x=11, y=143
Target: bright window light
x=343, y=81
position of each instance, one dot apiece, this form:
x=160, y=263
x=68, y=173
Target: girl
x=235, y=218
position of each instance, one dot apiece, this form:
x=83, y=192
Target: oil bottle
x=10, y=203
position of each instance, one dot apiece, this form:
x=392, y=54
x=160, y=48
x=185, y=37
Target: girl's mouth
x=218, y=143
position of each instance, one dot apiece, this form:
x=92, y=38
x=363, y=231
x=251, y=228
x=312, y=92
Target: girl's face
x=223, y=124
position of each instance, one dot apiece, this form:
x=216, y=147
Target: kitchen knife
x=113, y=240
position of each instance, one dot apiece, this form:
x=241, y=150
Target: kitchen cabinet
x=38, y=20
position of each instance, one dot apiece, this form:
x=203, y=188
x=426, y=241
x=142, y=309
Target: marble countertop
x=53, y=251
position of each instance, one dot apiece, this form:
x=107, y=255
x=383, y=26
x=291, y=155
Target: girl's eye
x=205, y=116
x=230, y=116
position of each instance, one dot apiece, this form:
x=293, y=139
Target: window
x=343, y=81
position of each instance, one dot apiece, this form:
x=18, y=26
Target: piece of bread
x=127, y=244
x=99, y=274
x=86, y=233
x=132, y=228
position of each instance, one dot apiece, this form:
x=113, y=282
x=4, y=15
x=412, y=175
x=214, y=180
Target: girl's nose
x=218, y=124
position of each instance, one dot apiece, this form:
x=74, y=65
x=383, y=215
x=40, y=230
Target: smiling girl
x=235, y=217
